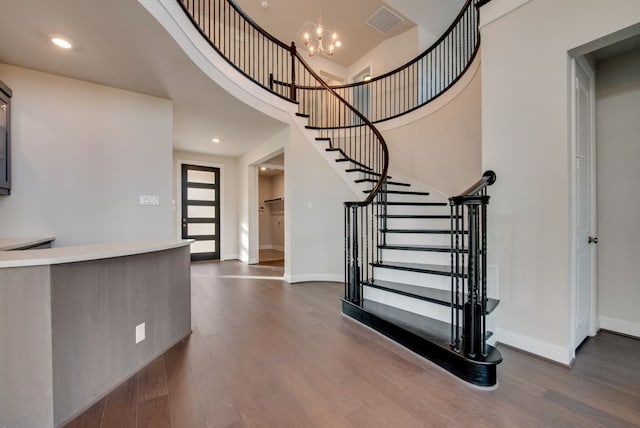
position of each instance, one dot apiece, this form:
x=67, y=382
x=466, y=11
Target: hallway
x=265, y=353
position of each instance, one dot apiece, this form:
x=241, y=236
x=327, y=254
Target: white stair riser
x=417, y=209
x=418, y=223
x=425, y=257
x=413, y=278
x=393, y=197
x=418, y=238
x=417, y=306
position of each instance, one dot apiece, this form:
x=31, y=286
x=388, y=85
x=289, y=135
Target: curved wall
x=439, y=145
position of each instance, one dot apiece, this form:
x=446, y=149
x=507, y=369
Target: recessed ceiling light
x=215, y=140
x=62, y=43
x=366, y=78
x=262, y=168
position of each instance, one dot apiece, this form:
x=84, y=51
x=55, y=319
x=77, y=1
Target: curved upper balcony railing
x=417, y=82
x=265, y=60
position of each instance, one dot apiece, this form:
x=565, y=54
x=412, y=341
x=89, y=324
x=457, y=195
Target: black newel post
x=354, y=269
x=473, y=307
x=293, y=92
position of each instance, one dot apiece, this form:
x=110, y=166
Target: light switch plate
x=149, y=200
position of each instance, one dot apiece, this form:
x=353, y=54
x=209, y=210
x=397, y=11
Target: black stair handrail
x=487, y=179
x=469, y=268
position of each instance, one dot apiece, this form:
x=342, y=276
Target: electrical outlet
x=140, y=332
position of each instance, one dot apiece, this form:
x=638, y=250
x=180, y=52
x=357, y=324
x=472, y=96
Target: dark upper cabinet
x=5, y=139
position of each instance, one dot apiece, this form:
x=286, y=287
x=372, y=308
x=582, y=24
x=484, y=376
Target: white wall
x=441, y=150
x=390, y=54
x=81, y=155
x=526, y=140
x=228, y=193
x=314, y=195
x=314, y=206
x=618, y=159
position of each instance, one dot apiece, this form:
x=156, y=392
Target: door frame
x=177, y=202
x=586, y=67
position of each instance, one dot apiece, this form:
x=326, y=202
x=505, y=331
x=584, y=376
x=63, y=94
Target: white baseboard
x=325, y=277
x=229, y=257
x=252, y=261
x=277, y=247
x=550, y=351
x=620, y=326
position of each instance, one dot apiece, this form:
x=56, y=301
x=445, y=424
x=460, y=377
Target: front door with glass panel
x=201, y=210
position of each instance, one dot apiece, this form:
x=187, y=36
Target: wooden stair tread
x=390, y=183
x=421, y=216
x=436, y=331
x=443, y=270
x=347, y=159
x=365, y=171
x=433, y=295
x=427, y=248
x=305, y=115
x=426, y=231
x=430, y=204
x=401, y=192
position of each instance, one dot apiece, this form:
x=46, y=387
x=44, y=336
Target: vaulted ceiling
x=117, y=43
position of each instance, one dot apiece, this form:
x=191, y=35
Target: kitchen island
x=77, y=321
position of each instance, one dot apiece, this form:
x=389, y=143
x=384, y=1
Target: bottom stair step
x=433, y=295
x=426, y=337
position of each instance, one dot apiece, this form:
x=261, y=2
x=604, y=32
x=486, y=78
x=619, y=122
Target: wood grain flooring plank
x=592, y=413
x=267, y=354
x=152, y=382
x=90, y=418
x=318, y=408
x=184, y=406
x=154, y=413
x=287, y=412
x=216, y=403
x=121, y=407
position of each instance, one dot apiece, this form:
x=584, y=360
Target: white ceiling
x=117, y=43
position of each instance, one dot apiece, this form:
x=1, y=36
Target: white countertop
x=81, y=253
x=13, y=243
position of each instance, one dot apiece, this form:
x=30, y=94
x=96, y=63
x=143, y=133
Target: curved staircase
x=415, y=264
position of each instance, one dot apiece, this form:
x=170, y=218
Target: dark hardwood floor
x=264, y=353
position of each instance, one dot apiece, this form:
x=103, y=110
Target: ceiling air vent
x=384, y=20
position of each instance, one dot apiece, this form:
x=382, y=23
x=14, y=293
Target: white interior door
x=585, y=213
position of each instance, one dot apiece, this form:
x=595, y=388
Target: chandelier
x=316, y=47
